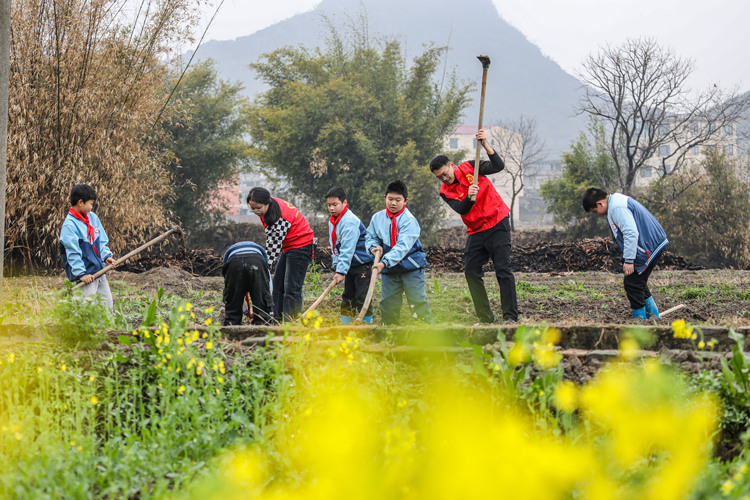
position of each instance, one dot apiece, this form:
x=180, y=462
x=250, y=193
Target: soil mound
x=174, y=279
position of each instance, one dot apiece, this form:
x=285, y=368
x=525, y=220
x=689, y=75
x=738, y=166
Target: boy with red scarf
x=488, y=225
x=395, y=231
x=83, y=244
x=351, y=260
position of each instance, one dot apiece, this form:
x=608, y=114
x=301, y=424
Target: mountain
x=521, y=79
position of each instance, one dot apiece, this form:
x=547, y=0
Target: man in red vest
x=488, y=225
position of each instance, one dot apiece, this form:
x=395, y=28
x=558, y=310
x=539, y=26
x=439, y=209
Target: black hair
x=263, y=196
x=337, y=192
x=397, y=187
x=591, y=196
x=81, y=192
x=439, y=162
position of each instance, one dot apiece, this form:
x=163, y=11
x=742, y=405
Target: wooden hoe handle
x=175, y=229
x=373, y=280
x=485, y=66
x=320, y=299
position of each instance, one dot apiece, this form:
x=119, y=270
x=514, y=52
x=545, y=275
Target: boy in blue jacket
x=83, y=244
x=247, y=280
x=395, y=231
x=641, y=239
x=351, y=260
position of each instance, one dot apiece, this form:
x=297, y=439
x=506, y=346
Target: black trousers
x=356, y=283
x=636, y=285
x=247, y=274
x=288, y=280
x=494, y=243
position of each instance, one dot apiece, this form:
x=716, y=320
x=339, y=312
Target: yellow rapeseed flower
x=220, y=380
x=196, y=335
x=94, y=400
x=551, y=336
x=181, y=389
x=628, y=348
x=63, y=367
x=519, y=354
x=727, y=486
x=209, y=345
x=208, y=321
x=209, y=310
x=188, y=306
x=205, y=335
x=701, y=344
x=566, y=396
x=135, y=333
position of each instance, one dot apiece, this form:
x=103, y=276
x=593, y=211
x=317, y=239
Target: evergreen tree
x=352, y=114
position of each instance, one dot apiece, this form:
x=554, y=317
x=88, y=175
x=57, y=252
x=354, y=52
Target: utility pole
x=4, y=79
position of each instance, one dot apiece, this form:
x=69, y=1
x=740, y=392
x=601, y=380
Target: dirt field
x=711, y=297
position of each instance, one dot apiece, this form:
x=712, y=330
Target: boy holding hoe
x=641, y=239
x=83, y=244
x=351, y=260
x=395, y=232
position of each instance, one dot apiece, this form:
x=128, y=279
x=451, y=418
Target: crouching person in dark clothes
x=247, y=281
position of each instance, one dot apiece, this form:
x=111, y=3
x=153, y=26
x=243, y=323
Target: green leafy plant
x=80, y=321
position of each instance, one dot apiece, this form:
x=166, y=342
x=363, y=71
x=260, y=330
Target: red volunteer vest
x=488, y=210
x=300, y=234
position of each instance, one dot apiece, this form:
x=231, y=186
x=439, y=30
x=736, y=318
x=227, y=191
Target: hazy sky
x=714, y=33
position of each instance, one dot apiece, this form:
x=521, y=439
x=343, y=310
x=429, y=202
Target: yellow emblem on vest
x=470, y=178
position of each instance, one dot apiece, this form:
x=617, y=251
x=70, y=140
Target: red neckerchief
x=394, y=229
x=334, y=221
x=89, y=228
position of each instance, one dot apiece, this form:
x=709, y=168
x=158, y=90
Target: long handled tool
x=320, y=299
x=672, y=309
x=373, y=280
x=485, y=66
x=175, y=229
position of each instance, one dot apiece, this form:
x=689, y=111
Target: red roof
x=466, y=130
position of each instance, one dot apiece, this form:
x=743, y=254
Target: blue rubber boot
x=345, y=320
x=639, y=313
x=367, y=319
x=651, y=310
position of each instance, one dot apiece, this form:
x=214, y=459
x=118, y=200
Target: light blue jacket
x=636, y=230
x=350, y=243
x=407, y=254
x=77, y=254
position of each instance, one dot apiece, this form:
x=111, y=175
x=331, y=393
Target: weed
x=693, y=293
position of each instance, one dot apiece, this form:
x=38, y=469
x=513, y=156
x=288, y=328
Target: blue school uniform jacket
x=636, y=230
x=407, y=254
x=350, y=243
x=78, y=255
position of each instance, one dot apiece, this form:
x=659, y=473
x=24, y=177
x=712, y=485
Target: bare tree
x=640, y=91
x=522, y=150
